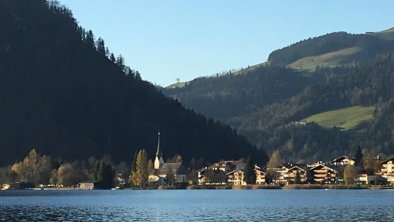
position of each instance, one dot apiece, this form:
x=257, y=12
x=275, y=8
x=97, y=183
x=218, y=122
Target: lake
x=198, y=205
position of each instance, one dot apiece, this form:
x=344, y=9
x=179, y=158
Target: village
x=343, y=172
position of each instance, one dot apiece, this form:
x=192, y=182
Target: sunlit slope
x=345, y=118
x=331, y=59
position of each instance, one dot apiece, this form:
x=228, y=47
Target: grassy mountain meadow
x=313, y=100
x=65, y=94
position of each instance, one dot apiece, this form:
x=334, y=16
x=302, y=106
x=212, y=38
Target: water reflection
x=198, y=206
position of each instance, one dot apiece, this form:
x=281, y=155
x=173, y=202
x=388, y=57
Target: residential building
x=322, y=174
x=236, y=177
x=343, y=161
x=86, y=186
x=260, y=175
x=387, y=170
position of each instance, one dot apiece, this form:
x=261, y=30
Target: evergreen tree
x=101, y=46
x=120, y=62
x=250, y=174
x=139, y=174
x=90, y=39
x=112, y=58
x=297, y=178
x=359, y=158
x=103, y=174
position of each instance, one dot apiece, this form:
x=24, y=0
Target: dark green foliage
x=297, y=178
x=60, y=94
x=359, y=158
x=276, y=100
x=250, y=174
x=215, y=176
x=231, y=95
x=104, y=175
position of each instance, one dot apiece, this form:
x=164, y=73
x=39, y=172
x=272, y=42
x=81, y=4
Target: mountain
x=65, y=94
x=283, y=103
x=331, y=50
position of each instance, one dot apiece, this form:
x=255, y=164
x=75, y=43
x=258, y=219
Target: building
x=173, y=173
x=343, y=161
x=296, y=174
x=321, y=174
x=86, y=186
x=236, y=178
x=278, y=174
x=366, y=179
x=217, y=173
x=166, y=173
x=159, y=158
x=260, y=175
x=387, y=170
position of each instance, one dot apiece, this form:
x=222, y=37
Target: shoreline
x=240, y=187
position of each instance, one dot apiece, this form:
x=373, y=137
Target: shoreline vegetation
x=237, y=187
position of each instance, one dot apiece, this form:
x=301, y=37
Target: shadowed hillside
x=63, y=93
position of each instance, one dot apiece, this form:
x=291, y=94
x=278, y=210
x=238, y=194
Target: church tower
x=159, y=159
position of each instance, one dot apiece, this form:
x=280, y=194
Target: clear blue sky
x=184, y=39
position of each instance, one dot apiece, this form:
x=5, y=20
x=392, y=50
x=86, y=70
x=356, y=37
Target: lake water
x=198, y=205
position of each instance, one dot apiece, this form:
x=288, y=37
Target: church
x=165, y=174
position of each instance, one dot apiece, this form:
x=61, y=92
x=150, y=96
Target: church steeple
x=158, y=159
x=158, y=144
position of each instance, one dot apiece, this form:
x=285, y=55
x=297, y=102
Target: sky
x=185, y=39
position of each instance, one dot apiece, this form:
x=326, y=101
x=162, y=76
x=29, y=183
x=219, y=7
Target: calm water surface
x=198, y=205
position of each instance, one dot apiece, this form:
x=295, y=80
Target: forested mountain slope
x=66, y=95
x=268, y=103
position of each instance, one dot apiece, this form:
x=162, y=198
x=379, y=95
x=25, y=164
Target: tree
x=297, y=178
x=89, y=39
x=122, y=173
x=69, y=174
x=250, y=174
x=350, y=174
x=101, y=46
x=359, y=158
x=275, y=159
x=215, y=176
x=120, y=62
x=103, y=174
x=66, y=175
x=139, y=174
x=112, y=58
x=33, y=168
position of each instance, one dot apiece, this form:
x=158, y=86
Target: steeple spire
x=158, y=159
x=158, y=144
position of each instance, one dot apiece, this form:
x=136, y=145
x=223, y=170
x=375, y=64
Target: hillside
x=328, y=73
x=345, y=118
x=341, y=57
x=63, y=93
x=338, y=48
x=233, y=94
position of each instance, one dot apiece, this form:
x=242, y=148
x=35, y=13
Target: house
x=387, y=170
x=217, y=173
x=322, y=174
x=236, y=177
x=289, y=174
x=295, y=174
x=260, y=175
x=173, y=173
x=343, y=161
x=366, y=179
x=86, y=186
